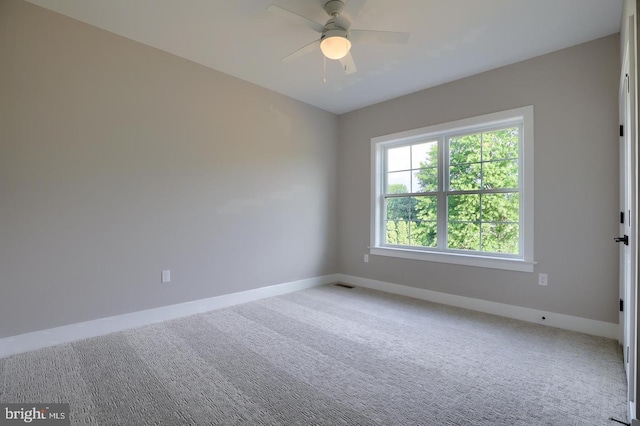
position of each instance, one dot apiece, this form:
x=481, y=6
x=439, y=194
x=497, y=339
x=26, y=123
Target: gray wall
x=574, y=94
x=118, y=160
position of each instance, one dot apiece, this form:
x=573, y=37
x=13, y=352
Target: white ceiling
x=450, y=39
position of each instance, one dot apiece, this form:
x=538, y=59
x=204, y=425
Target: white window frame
x=525, y=260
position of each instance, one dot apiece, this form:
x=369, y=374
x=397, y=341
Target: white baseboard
x=69, y=333
x=567, y=322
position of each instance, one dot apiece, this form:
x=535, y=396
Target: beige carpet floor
x=329, y=356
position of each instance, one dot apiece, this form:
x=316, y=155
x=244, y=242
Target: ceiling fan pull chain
x=324, y=70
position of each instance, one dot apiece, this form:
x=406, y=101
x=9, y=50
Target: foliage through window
x=456, y=188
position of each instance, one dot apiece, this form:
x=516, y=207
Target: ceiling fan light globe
x=335, y=47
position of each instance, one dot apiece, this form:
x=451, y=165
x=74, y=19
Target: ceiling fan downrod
x=334, y=7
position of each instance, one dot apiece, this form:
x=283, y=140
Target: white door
x=627, y=239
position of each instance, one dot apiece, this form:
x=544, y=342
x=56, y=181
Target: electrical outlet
x=543, y=279
x=366, y=258
x=166, y=276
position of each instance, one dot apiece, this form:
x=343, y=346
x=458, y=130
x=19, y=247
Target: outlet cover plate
x=543, y=279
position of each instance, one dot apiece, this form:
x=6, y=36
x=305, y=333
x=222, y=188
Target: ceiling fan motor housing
x=334, y=32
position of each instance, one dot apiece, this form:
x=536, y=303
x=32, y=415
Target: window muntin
x=457, y=190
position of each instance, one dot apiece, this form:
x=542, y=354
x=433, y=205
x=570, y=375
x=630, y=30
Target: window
x=459, y=192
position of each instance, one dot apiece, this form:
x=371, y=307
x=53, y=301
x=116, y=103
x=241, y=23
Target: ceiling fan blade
x=315, y=45
x=352, y=8
x=367, y=36
x=348, y=65
x=308, y=22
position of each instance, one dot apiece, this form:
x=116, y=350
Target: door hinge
x=621, y=130
x=621, y=305
x=624, y=239
x=622, y=217
x=626, y=77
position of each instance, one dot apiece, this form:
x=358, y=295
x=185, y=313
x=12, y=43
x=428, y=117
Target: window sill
x=455, y=258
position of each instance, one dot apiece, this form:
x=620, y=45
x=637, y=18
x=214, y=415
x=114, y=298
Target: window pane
x=465, y=177
x=464, y=207
x=397, y=232
x=425, y=180
x=398, y=182
x=464, y=149
x=463, y=236
x=411, y=220
x=500, y=174
x=501, y=207
x=399, y=158
x=500, y=238
x=423, y=234
x=500, y=144
x=391, y=236
x=463, y=227
x=399, y=208
x=425, y=208
x=424, y=155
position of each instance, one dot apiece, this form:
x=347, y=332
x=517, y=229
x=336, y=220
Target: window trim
x=525, y=263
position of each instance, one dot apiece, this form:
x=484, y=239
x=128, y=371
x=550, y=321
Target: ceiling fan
x=336, y=35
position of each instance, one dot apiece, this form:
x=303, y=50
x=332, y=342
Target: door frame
x=628, y=206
